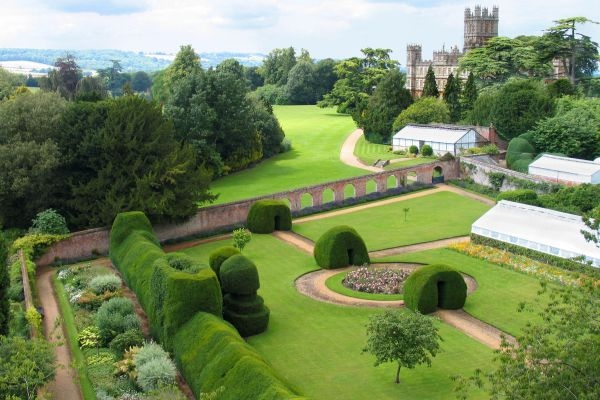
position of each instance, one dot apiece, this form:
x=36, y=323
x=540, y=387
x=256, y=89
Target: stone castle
x=480, y=25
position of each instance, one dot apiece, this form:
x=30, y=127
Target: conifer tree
x=4, y=284
x=430, y=88
x=469, y=94
x=452, y=97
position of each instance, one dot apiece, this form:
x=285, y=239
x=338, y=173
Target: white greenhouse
x=442, y=138
x=547, y=231
x=565, y=169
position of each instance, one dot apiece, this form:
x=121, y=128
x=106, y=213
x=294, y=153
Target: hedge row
x=266, y=216
x=213, y=353
x=169, y=296
x=184, y=310
x=340, y=246
x=435, y=286
x=559, y=262
x=525, y=196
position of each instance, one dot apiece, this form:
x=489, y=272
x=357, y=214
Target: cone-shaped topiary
x=435, y=286
x=217, y=257
x=266, y=216
x=340, y=246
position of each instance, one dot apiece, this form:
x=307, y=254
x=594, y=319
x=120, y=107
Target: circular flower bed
x=376, y=280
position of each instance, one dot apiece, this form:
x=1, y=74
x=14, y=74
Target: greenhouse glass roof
x=537, y=228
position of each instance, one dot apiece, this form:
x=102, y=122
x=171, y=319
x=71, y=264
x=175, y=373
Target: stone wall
x=90, y=243
x=479, y=172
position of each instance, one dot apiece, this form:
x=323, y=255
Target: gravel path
x=473, y=327
x=64, y=384
x=347, y=153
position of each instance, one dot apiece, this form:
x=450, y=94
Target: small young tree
x=51, y=222
x=404, y=337
x=241, y=237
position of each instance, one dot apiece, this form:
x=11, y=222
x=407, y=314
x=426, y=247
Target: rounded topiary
x=413, y=150
x=426, y=150
x=217, y=257
x=435, y=286
x=239, y=275
x=248, y=324
x=340, y=246
x=266, y=216
x=518, y=148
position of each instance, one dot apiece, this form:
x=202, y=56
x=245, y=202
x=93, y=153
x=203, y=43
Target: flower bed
x=376, y=280
x=518, y=263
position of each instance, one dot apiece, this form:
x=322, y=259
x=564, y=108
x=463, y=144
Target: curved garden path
x=64, y=384
x=347, y=153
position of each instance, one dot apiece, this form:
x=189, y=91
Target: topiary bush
x=519, y=148
x=211, y=354
x=339, y=247
x=218, y=256
x=50, y=222
x=116, y=316
x=413, y=150
x=241, y=305
x=105, y=283
x=266, y=216
x=239, y=275
x=525, y=196
x=435, y=286
x=426, y=150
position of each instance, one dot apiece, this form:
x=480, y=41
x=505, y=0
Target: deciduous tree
x=406, y=338
x=423, y=111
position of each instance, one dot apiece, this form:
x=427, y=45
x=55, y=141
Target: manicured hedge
x=239, y=275
x=178, y=295
x=218, y=256
x=242, y=306
x=266, y=216
x=435, y=286
x=525, y=196
x=169, y=296
x=519, y=148
x=211, y=354
x=339, y=247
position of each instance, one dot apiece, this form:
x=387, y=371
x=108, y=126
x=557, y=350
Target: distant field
x=436, y=216
x=317, y=136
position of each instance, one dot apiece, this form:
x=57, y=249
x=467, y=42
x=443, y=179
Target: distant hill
x=91, y=60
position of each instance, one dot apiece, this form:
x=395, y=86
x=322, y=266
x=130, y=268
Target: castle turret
x=480, y=25
x=413, y=58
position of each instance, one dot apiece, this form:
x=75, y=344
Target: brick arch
x=349, y=191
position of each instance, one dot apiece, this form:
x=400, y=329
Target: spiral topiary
x=340, y=246
x=266, y=216
x=435, y=286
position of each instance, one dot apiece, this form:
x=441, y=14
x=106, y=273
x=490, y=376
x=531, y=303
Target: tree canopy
x=406, y=338
x=423, y=111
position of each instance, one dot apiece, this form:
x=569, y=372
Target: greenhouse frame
x=536, y=228
x=442, y=138
x=565, y=169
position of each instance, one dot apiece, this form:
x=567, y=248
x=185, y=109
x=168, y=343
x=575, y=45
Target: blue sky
x=327, y=28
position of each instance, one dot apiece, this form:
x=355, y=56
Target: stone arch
x=411, y=177
x=349, y=191
x=286, y=201
x=437, y=174
x=328, y=195
x=391, y=182
x=371, y=186
x=306, y=200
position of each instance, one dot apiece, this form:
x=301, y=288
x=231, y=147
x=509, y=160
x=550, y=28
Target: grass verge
x=79, y=362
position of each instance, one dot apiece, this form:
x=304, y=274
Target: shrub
x=426, y=150
x=285, y=146
x=340, y=246
x=116, y=316
x=105, y=283
x=183, y=262
x=435, y=286
x=218, y=256
x=526, y=196
x=266, y=216
x=211, y=355
x=126, y=340
x=413, y=150
x=155, y=374
x=50, y=222
x=89, y=337
x=150, y=351
x=518, y=147
x=248, y=324
x=239, y=275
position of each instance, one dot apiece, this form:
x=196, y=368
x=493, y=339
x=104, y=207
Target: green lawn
x=317, y=346
x=369, y=152
x=432, y=217
x=499, y=291
x=317, y=136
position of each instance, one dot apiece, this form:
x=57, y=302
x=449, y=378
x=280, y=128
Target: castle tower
x=413, y=58
x=480, y=25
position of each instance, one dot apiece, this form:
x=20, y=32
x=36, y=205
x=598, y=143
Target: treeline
x=73, y=148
